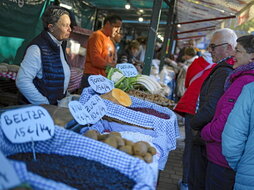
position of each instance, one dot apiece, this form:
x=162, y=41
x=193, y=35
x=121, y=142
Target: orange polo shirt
x=100, y=52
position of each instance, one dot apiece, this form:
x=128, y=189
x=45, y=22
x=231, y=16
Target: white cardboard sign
x=27, y=124
x=96, y=108
x=79, y=113
x=100, y=83
x=128, y=70
x=8, y=176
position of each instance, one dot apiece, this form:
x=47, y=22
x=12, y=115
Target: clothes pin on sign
x=33, y=149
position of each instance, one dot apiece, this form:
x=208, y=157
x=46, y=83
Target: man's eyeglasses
x=213, y=46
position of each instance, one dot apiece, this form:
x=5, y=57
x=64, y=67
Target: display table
x=66, y=142
x=163, y=131
x=160, y=133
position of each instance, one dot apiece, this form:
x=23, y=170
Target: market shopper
x=221, y=47
x=100, y=49
x=142, y=49
x=219, y=175
x=189, y=57
x=238, y=139
x=186, y=107
x=131, y=52
x=168, y=75
x=191, y=43
x=44, y=74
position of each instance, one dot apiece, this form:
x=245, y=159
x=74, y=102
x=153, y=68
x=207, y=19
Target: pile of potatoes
x=5, y=67
x=140, y=149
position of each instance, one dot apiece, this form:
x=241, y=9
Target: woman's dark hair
x=247, y=42
x=190, y=51
x=112, y=19
x=52, y=15
x=134, y=44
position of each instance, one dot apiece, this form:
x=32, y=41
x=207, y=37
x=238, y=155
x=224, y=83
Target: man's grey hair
x=52, y=15
x=228, y=36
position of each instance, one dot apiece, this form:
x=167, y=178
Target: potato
x=120, y=141
x=140, y=148
x=152, y=150
x=127, y=142
x=148, y=158
x=127, y=149
x=146, y=143
x=140, y=157
x=112, y=141
x=114, y=133
x=103, y=137
x=93, y=134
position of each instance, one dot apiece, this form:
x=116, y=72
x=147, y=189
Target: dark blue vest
x=51, y=84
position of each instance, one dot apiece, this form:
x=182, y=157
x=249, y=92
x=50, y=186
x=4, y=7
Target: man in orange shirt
x=100, y=49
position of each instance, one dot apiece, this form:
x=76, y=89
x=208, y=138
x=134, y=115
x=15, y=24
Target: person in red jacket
x=186, y=107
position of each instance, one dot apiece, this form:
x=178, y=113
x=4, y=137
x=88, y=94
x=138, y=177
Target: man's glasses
x=213, y=46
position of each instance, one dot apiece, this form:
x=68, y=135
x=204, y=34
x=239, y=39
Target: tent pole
x=152, y=36
x=168, y=32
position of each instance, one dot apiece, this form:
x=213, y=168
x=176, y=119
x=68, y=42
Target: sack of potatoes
x=140, y=149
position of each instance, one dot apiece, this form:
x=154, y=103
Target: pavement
x=169, y=177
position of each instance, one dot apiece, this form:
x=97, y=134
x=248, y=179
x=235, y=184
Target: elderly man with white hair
x=222, y=46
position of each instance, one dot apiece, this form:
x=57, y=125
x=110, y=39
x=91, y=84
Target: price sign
x=100, y=83
x=96, y=108
x=8, y=176
x=127, y=69
x=79, y=112
x=27, y=124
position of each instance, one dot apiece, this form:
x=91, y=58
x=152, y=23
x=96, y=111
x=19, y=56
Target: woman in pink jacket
x=219, y=175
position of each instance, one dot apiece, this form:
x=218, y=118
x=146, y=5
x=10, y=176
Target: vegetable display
x=5, y=67
x=129, y=83
x=76, y=172
x=155, y=98
x=140, y=149
x=150, y=111
x=118, y=96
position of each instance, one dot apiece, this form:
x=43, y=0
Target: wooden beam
x=198, y=30
x=190, y=37
x=205, y=20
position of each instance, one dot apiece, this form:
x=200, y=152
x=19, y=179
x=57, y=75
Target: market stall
x=149, y=130
x=163, y=132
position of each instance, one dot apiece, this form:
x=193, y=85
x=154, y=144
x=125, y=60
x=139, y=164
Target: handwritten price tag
x=79, y=113
x=90, y=112
x=96, y=108
x=100, y=83
x=26, y=124
x=127, y=69
x=8, y=176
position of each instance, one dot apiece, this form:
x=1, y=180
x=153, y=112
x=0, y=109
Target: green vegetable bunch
x=120, y=81
x=129, y=83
